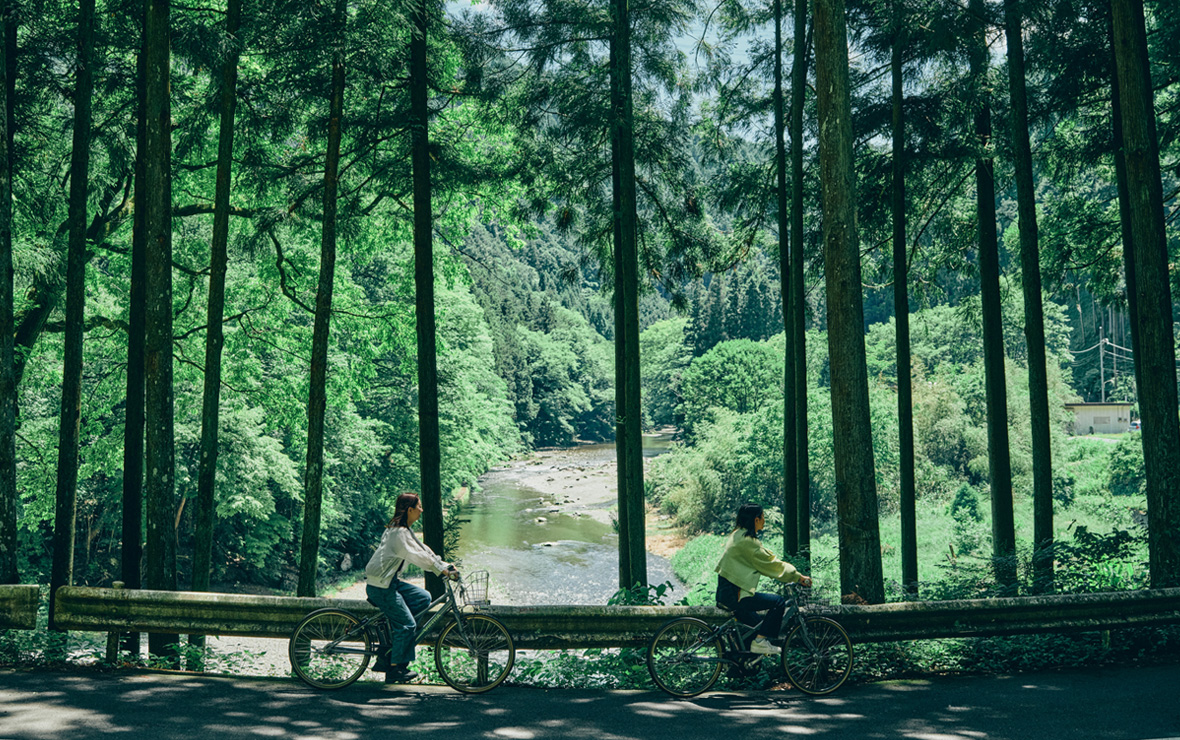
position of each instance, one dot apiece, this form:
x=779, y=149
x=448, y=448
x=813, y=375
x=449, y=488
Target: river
x=543, y=528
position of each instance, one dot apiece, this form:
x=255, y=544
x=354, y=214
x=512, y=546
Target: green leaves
x=739, y=375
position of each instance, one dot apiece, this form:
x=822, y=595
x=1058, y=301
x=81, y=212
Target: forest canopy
x=333, y=240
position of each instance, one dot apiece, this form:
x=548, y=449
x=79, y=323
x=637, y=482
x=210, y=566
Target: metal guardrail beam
x=18, y=607
x=559, y=627
x=1008, y=616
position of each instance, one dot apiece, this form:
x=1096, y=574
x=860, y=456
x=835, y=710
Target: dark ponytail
x=746, y=515
x=405, y=502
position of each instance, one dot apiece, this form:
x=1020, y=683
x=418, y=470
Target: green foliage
x=1016, y=653
x=701, y=485
x=639, y=595
x=547, y=324
x=663, y=355
x=1127, y=474
x=694, y=563
x=1101, y=562
x=738, y=375
x=597, y=669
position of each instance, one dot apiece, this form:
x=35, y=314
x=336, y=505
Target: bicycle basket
x=810, y=601
x=475, y=589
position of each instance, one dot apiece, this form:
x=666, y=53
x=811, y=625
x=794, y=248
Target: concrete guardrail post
x=113, y=636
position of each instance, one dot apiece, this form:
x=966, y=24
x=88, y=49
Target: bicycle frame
x=734, y=634
x=380, y=624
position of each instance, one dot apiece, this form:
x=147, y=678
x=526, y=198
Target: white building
x=1100, y=418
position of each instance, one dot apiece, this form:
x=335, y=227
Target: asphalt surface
x=1121, y=703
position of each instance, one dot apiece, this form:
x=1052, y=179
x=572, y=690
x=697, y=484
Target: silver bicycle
x=331, y=648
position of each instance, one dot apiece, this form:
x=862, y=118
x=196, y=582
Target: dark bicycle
x=331, y=648
x=686, y=655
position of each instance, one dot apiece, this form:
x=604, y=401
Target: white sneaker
x=762, y=646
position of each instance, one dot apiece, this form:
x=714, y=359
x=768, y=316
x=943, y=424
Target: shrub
x=1127, y=474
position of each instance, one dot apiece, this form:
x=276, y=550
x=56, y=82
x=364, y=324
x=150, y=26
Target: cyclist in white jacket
x=400, y=600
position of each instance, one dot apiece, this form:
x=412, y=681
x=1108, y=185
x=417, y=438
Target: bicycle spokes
x=685, y=657
x=474, y=654
x=817, y=656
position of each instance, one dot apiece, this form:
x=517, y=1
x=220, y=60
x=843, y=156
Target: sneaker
x=762, y=646
x=400, y=675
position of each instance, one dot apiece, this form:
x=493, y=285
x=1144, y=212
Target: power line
x=1080, y=351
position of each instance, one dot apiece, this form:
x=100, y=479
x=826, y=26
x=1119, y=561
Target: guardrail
x=18, y=607
x=559, y=627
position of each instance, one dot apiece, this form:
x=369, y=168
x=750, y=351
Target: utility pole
x=1102, y=364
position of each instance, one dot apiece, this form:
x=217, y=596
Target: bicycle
x=686, y=654
x=331, y=648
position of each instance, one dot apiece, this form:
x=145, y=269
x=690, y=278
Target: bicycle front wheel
x=474, y=654
x=817, y=656
x=330, y=649
x=684, y=657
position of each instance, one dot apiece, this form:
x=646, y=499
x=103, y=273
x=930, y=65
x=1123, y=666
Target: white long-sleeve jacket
x=399, y=546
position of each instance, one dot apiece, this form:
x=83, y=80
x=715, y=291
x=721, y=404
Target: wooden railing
x=18, y=607
x=557, y=627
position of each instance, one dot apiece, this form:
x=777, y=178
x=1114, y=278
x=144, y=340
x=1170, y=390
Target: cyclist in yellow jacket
x=745, y=561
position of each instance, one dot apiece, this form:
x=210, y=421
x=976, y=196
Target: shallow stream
x=543, y=528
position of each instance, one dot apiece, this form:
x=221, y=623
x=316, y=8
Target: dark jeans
x=774, y=606
x=745, y=610
x=400, y=602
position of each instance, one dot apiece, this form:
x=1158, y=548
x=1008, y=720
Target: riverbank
x=575, y=483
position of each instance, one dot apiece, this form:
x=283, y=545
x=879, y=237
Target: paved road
x=1121, y=704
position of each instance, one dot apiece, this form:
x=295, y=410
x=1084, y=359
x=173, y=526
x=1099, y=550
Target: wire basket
x=475, y=589
x=810, y=601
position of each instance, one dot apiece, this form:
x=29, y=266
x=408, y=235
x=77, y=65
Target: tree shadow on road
x=75, y=705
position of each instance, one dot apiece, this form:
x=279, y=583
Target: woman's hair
x=405, y=502
x=746, y=514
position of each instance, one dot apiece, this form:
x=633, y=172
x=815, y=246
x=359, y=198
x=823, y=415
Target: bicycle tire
x=817, y=656
x=313, y=649
x=477, y=657
x=684, y=657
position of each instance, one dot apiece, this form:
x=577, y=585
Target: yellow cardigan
x=746, y=560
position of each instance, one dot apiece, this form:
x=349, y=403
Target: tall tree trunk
x=790, y=454
x=624, y=517
x=856, y=486
x=9, y=572
x=215, y=336
x=66, y=496
x=429, y=444
x=999, y=462
x=901, y=312
x=1034, y=315
x=133, y=427
x=317, y=398
x=1120, y=167
x=1155, y=357
x=159, y=483
x=798, y=328
x=629, y=439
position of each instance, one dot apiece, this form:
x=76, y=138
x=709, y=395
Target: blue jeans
x=774, y=606
x=400, y=602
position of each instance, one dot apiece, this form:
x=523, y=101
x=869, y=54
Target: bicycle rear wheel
x=684, y=657
x=329, y=649
x=817, y=656
x=475, y=655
